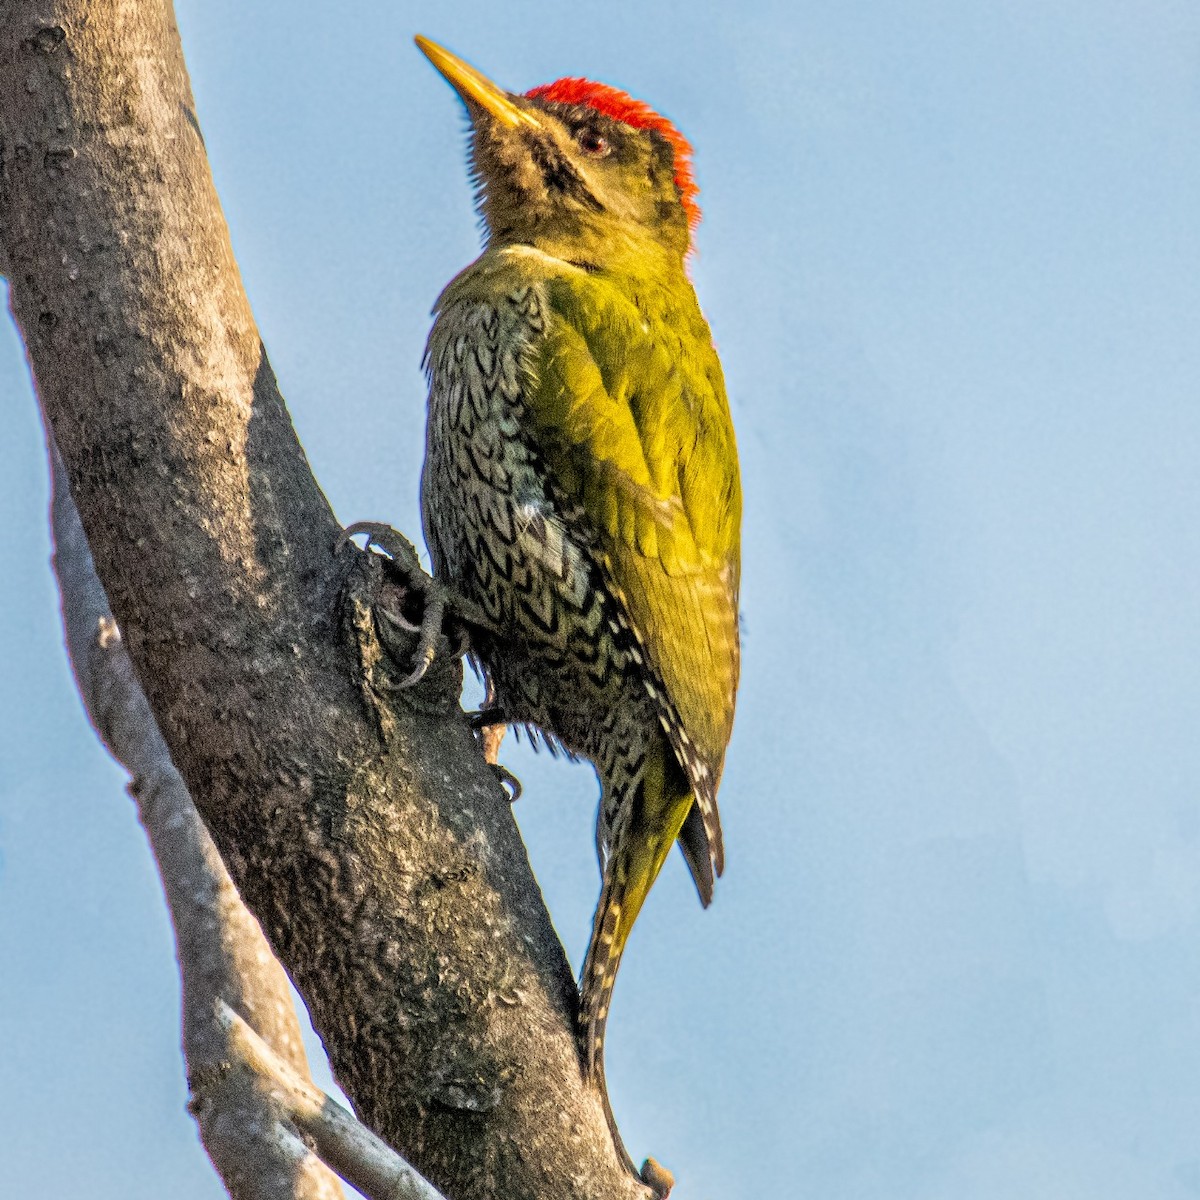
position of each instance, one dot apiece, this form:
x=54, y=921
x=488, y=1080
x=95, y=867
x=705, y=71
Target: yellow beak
x=476, y=89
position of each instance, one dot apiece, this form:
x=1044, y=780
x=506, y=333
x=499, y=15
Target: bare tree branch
x=363, y=830
x=221, y=950
x=348, y=1146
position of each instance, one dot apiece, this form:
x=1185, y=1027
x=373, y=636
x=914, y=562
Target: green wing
x=629, y=409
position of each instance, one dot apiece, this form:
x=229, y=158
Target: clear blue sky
x=951, y=256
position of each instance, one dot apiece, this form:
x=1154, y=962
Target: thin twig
x=349, y=1147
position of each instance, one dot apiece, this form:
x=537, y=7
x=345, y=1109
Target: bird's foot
x=430, y=610
x=486, y=717
x=508, y=781
x=426, y=607
x=489, y=724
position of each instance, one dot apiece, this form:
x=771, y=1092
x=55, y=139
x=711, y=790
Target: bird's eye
x=592, y=142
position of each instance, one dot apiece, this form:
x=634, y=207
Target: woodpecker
x=580, y=488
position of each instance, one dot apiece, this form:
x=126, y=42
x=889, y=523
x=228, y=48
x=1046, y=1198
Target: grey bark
x=347, y=1145
x=220, y=948
x=363, y=830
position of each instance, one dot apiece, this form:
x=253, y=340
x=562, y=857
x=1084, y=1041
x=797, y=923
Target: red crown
x=621, y=106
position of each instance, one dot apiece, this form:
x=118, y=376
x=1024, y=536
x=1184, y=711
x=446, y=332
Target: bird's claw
x=508, y=781
x=405, y=562
x=427, y=632
x=391, y=541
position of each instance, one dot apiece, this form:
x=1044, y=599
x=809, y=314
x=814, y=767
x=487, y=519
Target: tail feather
x=599, y=975
x=697, y=852
x=647, y=825
x=600, y=967
x=661, y=809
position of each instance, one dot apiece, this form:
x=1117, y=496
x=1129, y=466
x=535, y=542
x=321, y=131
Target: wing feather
x=631, y=416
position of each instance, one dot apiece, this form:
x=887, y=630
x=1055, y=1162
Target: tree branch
x=220, y=948
x=365, y=832
x=348, y=1146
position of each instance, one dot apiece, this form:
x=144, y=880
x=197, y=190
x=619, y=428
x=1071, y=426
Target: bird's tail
x=656, y=815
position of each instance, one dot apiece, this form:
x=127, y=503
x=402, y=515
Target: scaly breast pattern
x=561, y=656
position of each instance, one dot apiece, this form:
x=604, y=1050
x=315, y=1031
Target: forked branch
x=363, y=829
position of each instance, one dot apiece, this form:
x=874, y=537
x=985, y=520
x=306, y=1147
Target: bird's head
x=576, y=168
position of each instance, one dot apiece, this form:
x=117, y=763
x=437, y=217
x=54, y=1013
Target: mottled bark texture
x=363, y=829
x=221, y=951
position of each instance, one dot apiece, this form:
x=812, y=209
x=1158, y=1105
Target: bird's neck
x=613, y=250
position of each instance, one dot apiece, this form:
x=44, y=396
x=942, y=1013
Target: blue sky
x=951, y=258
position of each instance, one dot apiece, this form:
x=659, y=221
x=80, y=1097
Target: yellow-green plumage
x=581, y=486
